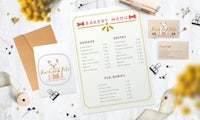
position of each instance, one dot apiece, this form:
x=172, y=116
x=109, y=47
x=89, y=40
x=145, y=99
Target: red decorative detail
x=166, y=97
x=80, y=24
x=132, y=16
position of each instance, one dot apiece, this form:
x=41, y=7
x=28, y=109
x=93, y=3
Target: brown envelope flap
x=26, y=55
x=41, y=36
x=25, y=43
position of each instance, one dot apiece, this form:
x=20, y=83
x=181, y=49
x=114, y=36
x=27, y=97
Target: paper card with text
x=111, y=59
x=55, y=70
x=163, y=28
x=173, y=50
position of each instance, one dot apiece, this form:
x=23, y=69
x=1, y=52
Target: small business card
x=173, y=50
x=163, y=28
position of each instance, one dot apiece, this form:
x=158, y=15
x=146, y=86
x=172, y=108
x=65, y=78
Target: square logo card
x=55, y=70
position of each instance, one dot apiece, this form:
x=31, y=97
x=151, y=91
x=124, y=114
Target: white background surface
x=56, y=110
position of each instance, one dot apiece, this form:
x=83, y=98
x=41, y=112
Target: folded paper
x=25, y=43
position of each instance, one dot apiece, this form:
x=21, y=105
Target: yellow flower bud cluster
x=35, y=10
x=188, y=84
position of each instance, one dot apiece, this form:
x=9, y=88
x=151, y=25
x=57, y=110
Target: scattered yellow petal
x=14, y=19
x=185, y=110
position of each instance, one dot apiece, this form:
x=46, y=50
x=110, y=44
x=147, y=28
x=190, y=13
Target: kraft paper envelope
x=25, y=44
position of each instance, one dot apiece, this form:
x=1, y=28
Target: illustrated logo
x=163, y=28
x=54, y=69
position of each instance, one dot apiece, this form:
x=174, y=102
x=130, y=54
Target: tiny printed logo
x=54, y=69
x=163, y=29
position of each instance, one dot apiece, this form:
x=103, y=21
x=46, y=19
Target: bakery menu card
x=55, y=70
x=111, y=59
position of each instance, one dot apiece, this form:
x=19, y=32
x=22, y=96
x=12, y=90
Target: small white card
x=55, y=70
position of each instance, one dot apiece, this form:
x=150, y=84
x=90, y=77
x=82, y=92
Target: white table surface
x=61, y=26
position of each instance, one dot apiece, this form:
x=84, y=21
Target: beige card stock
x=173, y=50
x=163, y=28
